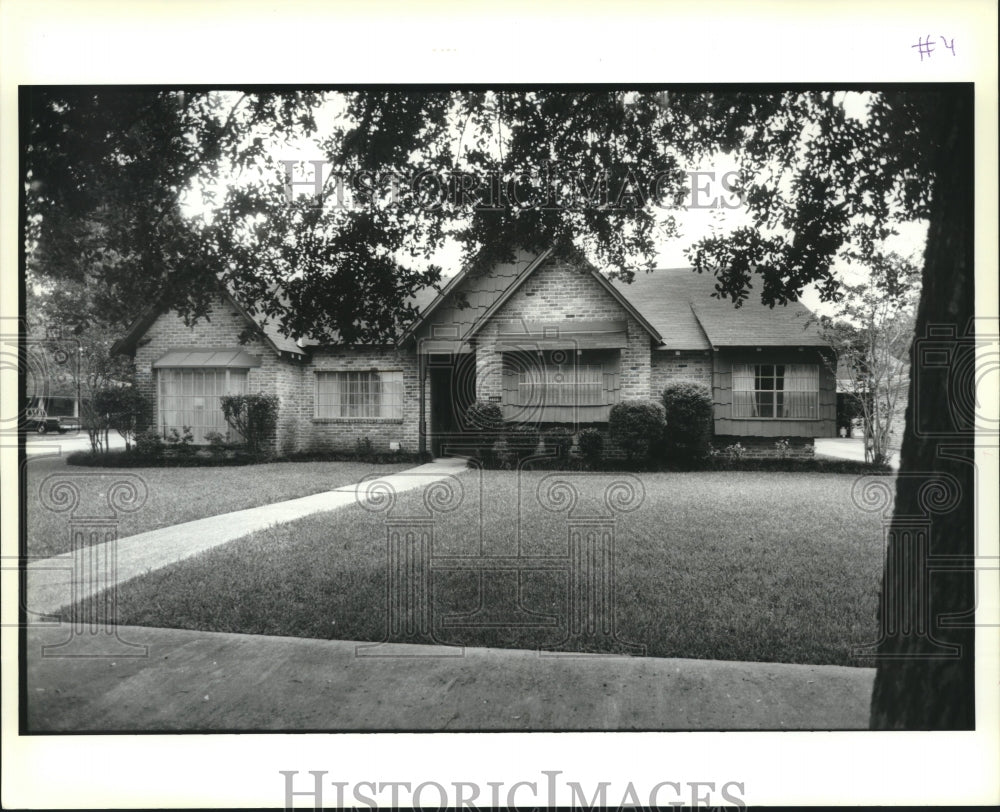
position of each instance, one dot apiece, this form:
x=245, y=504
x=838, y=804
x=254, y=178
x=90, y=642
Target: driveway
x=850, y=448
x=63, y=444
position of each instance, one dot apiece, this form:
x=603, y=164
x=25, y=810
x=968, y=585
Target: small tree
x=122, y=408
x=636, y=425
x=871, y=333
x=688, y=410
x=254, y=417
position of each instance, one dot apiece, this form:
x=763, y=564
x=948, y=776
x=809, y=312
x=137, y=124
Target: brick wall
x=560, y=292
x=343, y=434
x=222, y=328
x=671, y=365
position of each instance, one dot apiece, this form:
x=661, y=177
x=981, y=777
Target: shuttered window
x=366, y=394
x=560, y=385
x=190, y=397
x=772, y=391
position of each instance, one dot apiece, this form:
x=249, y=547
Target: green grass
x=733, y=566
x=176, y=495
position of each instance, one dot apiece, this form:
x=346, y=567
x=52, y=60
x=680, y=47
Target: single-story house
x=549, y=340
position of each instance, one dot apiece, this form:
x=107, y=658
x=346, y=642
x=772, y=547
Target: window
x=369, y=394
x=561, y=384
x=190, y=397
x=788, y=391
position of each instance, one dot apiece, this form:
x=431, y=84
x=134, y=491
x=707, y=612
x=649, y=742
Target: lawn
x=734, y=566
x=176, y=495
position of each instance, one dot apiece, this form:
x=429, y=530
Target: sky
x=693, y=223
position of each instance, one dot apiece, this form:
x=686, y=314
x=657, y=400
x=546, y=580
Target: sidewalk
x=210, y=681
x=55, y=582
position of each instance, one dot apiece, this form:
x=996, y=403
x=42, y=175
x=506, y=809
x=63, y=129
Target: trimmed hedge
x=637, y=426
x=688, y=411
x=202, y=459
x=135, y=459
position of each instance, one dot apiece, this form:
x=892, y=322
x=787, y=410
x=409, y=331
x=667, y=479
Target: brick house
x=548, y=340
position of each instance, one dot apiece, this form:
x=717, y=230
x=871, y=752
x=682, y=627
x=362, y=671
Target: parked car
x=35, y=419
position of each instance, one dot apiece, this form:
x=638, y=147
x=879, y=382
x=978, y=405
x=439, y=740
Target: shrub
x=500, y=456
x=149, y=443
x=254, y=417
x=591, y=443
x=731, y=452
x=636, y=425
x=523, y=438
x=485, y=420
x=364, y=446
x=217, y=443
x=122, y=408
x=560, y=440
x=688, y=412
x=180, y=442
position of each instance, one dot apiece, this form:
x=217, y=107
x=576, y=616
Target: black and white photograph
x=484, y=409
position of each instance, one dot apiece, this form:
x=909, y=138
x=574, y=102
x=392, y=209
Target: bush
x=560, y=440
x=485, y=420
x=591, y=443
x=688, y=412
x=636, y=425
x=180, y=442
x=523, y=438
x=254, y=417
x=149, y=443
x=723, y=462
x=122, y=408
x=364, y=447
x=135, y=459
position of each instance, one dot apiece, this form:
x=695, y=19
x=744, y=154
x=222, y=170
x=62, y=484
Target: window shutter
x=743, y=390
x=392, y=400
x=612, y=380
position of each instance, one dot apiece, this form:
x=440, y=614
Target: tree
x=871, y=332
x=253, y=417
x=122, y=408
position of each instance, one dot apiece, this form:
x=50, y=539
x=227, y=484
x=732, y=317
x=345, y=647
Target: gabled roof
x=486, y=293
x=679, y=303
x=481, y=293
x=268, y=330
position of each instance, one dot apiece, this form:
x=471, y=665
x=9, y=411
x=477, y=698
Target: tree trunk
x=925, y=675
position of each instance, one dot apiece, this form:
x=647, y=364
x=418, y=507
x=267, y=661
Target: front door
x=453, y=389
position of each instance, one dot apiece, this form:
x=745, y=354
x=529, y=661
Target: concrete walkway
x=201, y=681
x=848, y=448
x=53, y=583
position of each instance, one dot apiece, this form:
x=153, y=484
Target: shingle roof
x=679, y=303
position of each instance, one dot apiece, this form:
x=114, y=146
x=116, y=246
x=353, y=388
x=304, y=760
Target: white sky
x=693, y=224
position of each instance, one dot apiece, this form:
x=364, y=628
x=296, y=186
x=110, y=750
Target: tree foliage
x=872, y=331
x=122, y=408
x=254, y=417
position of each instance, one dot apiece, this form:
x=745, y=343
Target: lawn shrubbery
x=254, y=417
x=522, y=439
x=559, y=440
x=637, y=426
x=591, y=444
x=687, y=439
